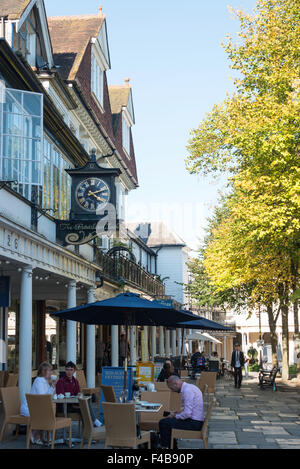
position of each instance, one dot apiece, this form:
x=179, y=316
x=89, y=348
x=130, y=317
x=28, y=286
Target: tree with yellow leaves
x=254, y=135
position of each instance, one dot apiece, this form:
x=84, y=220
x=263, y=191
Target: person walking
x=237, y=362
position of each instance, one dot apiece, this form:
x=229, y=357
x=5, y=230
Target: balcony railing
x=122, y=269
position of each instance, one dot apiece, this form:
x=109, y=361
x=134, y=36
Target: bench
x=267, y=378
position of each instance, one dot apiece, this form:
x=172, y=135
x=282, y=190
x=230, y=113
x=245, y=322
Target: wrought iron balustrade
x=121, y=269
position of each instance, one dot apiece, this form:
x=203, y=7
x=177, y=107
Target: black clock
x=92, y=193
x=93, y=197
x=93, y=190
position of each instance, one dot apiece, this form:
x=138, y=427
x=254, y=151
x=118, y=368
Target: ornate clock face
x=92, y=193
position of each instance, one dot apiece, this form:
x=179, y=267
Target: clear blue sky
x=171, y=51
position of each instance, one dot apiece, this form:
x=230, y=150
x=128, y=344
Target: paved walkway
x=253, y=418
x=246, y=418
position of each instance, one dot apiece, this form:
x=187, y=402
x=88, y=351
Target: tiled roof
x=13, y=9
x=70, y=36
x=119, y=96
x=156, y=233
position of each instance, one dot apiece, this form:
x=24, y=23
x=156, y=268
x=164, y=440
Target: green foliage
x=254, y=246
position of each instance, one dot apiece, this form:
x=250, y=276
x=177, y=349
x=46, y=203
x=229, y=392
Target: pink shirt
x=192, y=403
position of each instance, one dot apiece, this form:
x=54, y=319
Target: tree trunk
x=285, y=340
x=294, y=269
x=272, y=325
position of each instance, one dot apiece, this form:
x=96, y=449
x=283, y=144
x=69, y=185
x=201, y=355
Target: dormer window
x=31, y=47
x=97, y=82
x=125, y=134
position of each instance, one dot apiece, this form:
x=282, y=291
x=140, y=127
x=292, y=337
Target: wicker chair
x=192, y=434
x=120, y=425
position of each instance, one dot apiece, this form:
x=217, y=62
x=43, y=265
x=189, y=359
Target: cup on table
x=55, y=396
x=67, y=394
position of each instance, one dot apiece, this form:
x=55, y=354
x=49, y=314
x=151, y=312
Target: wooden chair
x=208, y=378
x=150, y=421
x=175, y=402
x=3, y=378
x=80, y=376
x=89, y=431
x=192, y=434
x=74, y=416
x=98, y=379
x=161, y=386
x=109, y=393
x=11, y=406
x=120, y=426
x=12, y=380
x=42, y=417
x=184, y=373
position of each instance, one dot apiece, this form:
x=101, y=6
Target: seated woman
x=41, y=385
x=167, y=370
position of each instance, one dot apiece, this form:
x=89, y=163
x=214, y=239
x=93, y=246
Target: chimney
x=127, y=80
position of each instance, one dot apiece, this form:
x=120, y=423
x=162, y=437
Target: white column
x=225, y=352
x=146, y=336
x=190, y=343
x=90, y=346
x=114, y=345
x=161, y=342
x=167, y=343
x=153, y=342
x=132, y=340
x=184, y=351
x=25, y=334
x=179, y=339
x=174, y=343
x=71, y=325
x=213, y=347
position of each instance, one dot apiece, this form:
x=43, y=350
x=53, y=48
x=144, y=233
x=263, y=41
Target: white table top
x=144, y=409
x=69, y=400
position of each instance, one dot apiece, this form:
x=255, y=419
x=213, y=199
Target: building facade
x=56, y=107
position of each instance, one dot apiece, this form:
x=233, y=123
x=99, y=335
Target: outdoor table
x=65, y=401
x=139, y=408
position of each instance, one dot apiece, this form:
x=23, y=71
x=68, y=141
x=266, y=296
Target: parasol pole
x=126, y=355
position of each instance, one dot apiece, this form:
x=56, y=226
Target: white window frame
x=97, y=80
x=126, y=134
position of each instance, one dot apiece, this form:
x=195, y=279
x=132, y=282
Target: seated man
x=68, y=383
x=190, y=418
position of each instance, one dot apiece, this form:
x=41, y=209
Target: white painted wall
x=170, y=263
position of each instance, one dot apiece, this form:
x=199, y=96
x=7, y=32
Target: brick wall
x=83, y=77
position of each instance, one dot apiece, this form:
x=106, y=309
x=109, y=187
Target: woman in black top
x=166, y=371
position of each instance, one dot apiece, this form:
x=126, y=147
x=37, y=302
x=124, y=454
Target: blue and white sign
x=114, y=376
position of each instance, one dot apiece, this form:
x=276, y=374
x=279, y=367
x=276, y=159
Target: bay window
x=30, y=158
x=21, y=142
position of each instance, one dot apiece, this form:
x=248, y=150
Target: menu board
x=114, y=376
x=145, y=371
